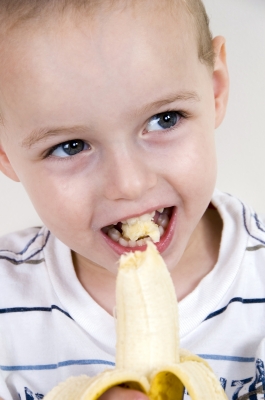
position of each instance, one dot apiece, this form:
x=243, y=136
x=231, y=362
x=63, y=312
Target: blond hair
x=17, y=12
x=198, y=13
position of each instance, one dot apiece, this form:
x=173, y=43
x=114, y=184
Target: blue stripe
x=28, y=309
x=27, y=245
x=54, y=366
x=235, y=300
x=104, y=362
x=248, y=231
x=255, y=248
x=13, y=260
x=227, y=358
x=258, y=223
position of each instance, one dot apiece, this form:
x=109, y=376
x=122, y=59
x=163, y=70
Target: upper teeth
x=143, y=218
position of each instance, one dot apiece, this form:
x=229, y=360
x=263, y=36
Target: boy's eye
x=70, y=148
x=163, y=121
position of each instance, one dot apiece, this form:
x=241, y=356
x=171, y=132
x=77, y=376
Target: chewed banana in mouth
x=135, y=232
x=142, y=227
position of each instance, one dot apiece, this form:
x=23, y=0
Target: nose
x=129, y=175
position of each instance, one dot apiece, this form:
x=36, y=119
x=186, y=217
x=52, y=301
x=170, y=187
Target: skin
x=81, y=75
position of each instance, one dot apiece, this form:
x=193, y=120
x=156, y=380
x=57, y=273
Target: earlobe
x=6, y=167
x=220, y=79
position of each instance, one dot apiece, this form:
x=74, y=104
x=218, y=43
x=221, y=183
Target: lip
x=161, y=246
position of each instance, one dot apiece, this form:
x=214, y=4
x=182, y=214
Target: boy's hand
x=118, y=393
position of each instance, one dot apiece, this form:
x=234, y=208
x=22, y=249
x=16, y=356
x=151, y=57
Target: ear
x=6, y=167
x=220, y=79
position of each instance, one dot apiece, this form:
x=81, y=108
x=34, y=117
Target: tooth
x=161, y=230
x=131, y=221
x=145, y=217
x=142, y=218
x=160, y=210
x=114, y=234
x=107, y=228
x=132, y=243
x=123, y=242
x=140, y=242
x=163, y=220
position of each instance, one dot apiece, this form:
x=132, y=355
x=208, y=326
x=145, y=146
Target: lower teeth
x=161, y=230
x=123, y=242
x=131, y=243
x=114, y=234
x=163, y=220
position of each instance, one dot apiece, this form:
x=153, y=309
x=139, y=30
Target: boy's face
x=100, y=85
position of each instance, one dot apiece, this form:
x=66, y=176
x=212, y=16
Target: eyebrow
x=38, y=135
x=171, y=98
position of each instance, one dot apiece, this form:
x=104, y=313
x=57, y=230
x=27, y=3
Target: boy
x=108, y=112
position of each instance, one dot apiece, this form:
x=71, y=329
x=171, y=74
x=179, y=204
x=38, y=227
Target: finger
x=118, y=393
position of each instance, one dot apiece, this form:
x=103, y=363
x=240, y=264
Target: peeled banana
x=148, y=357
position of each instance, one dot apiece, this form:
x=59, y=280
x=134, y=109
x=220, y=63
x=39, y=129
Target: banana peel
x=148, y=357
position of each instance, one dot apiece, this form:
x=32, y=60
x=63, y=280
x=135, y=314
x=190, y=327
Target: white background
x=241, y=138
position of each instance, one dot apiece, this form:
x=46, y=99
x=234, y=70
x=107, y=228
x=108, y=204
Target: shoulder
x=21, y=261
x=242, y=250
x=24, y=276
x=23, y=247
x=240, y=219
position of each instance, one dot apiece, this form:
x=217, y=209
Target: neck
x=97, y=281
x=201, y=254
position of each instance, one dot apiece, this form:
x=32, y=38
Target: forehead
x=134, y=50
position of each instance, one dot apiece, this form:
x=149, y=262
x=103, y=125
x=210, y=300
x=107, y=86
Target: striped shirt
x=50, y=328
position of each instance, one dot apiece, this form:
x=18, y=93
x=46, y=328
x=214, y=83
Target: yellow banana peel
x=148, y=357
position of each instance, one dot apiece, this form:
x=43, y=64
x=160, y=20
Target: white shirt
x=50, y=328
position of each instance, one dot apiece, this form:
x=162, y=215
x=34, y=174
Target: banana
x=141, y=229
x=148, y=357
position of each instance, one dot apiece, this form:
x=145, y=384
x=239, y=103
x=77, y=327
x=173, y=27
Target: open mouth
x=135, y=232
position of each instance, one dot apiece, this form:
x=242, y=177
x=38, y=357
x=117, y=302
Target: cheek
x=192, y=162
x=192, y=173
x=59, y=201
